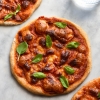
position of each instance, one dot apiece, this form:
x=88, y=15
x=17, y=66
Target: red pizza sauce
x=54, y=58
x=8, y=6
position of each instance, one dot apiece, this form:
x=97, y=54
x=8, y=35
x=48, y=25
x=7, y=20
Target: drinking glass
x=86, y=4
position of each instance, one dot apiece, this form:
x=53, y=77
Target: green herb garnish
x=72, y=45
x=8, y=16
x=69, y=70
x=64, y=82
x=98, y=95
x=48, y=41
x=37, y=58
x=39, y=75
x=22, y=47
x=13, y=13
x=60, y=24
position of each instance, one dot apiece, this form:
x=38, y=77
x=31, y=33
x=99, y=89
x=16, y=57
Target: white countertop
x=88, y=20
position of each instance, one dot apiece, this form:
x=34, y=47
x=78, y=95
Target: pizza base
x=37, y=90
x=7, y=22
x=88, y=84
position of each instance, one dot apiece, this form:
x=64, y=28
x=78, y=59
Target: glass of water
x=86, y=4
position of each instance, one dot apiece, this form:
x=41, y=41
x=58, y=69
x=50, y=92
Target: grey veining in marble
x=88, y=20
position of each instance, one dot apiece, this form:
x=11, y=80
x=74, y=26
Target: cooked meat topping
x=27, y=66
x=40, y=26
x=8, y=6
x=55, y=57
x=25, y=3
x=91, y=91
x=42, y=42
x=18, y=18
x=51, y=84
x=28, y=37
x=49, y=52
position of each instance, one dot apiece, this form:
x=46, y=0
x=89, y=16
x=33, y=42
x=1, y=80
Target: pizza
x=50, y=56
x=91, y=91
x=13, y=12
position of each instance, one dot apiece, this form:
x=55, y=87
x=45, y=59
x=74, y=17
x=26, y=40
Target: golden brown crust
x=38, y=90
x=90, y=90
x=30, y=11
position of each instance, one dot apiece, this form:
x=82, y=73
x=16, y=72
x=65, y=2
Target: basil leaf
x=72, y=45
x=64, y=82
x=13, y=13
x=48, y=41
x=22, y=47
x=69, y=70
x=17, y=9
x=60, y=24
x=8, y=16
x=37, y=58
x=98, y=95
x=39, y=75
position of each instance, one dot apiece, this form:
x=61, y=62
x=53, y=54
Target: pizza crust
x=34, y=7
x=37, y=90
x=89, y=84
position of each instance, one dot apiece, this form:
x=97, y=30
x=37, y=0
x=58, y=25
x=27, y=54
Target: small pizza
x=13, y=12
x=91, y=91
x=50, y=56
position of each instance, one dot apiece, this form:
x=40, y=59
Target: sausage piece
x=25, y=3
x=40, y=26
x=51, y=84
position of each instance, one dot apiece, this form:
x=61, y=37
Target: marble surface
x=88, y=20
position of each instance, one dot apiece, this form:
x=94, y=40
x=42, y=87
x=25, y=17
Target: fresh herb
x=37, y=58
x=8, y=16
x=72, y=45
x=60, y=24
x=64, y=82
x=48, y=41
x=13, y=13
x=17, y=9
x=22, y=47
x=39, y=75
x=98, y=95
x=69, y=70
